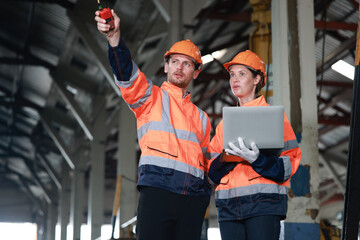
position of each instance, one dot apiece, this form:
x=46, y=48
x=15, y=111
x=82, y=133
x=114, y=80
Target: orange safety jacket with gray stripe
x=259, y=188
x=173, y=133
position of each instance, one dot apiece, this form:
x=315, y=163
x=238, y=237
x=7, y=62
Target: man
x=173, y=135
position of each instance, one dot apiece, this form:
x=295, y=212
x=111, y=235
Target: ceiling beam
x=27, y=60
x=233, y=42
x=213, y=37
x=151, y=67
x=337, y=54
x=8, y=172
x=65, y=152
x=334, y=120
x=37, y=180
x=44, y=143
x=244, y=16
x=50, y=170
x=337, y=108
x=212, y=11
x=320, y=6
x=11, y=46
x=162, y=11
x=324, y=198
x=336, y=99
x=78, y=113
x=342, y=141
x=323, y=159
x=18, y=104
x=19, y=100
x=333, y=34
x=35, y=177
x=75, y=78
x=62, y=118
x=355, y=4
x=27, y=190
x=338, y=84
x=334, y=26
x=26, y=57
x=326, y=184
x=326, y=129
x=13, y=131
x=337, y=197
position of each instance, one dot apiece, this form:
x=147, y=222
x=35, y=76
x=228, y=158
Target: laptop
x=263, y=125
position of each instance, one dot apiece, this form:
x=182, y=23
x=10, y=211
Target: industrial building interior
x=67, y=138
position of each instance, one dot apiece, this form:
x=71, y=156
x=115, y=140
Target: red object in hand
x=105, y=13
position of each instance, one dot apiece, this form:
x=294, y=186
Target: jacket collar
x=174, y=90
x=259, y=101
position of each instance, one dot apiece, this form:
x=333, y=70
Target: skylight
x=344, y=68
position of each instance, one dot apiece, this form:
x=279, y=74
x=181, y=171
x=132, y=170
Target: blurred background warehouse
x=67, y=138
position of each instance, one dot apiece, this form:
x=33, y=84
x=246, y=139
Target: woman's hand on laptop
x=242, y=151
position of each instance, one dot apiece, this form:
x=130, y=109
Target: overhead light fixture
x=74, y=91
x=215, y=55
x=207, y=58
x=344, y=68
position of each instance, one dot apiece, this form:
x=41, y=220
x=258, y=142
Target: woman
x=251, y=192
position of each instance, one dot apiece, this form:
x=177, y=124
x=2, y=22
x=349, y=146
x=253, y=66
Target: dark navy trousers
x=255, y=228
x=163, y=215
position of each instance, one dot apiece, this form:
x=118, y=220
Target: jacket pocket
x=167, y=148
x=252, y=174
x=162, y=142
x=225, y=180
x=163, y=152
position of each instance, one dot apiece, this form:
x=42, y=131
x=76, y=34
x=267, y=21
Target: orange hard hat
x=250, y=59
x=187, y=48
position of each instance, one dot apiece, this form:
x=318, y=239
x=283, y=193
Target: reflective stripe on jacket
x=173, y=135
x=248, y=190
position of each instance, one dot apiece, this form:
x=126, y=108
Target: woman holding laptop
x=251, y=184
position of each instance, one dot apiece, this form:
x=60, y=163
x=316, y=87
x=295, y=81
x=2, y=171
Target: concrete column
x=41, y=230
x=293, y=45
x=51, y=221
x=77, y=206
x=280, y=55
x=127, y=163
x=64, y=206
x=78, y=189
x=97, y=175
x=303, y=220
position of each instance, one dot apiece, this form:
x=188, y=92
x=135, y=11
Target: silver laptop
x=263, y=125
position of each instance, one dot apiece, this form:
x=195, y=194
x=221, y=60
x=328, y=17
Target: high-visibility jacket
x=173, y=133
x=260, y=188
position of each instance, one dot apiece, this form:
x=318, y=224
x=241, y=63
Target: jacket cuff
x=120, y=61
